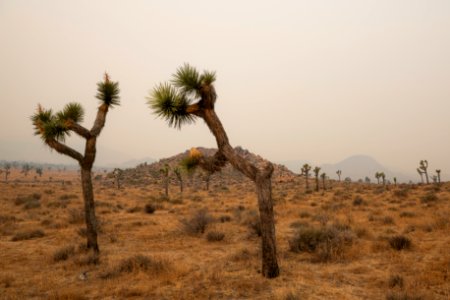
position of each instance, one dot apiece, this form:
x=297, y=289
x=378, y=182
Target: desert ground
x=351, y=241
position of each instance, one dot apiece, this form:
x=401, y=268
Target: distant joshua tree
x=383, y=178
x=53, y=129
x=26, y=168
x=421, y=174
x=39, y=171
x=324, y=177
x=316, y=175
x=339, y=173
x=7, y=170
x=438, y=172
x=193, y=95
x=118, y=173
x=165, y=173
x=378, y=176
x=424, y=169
x=367, y=180
x=305, y=172
x=179, y=176
x=395, y=181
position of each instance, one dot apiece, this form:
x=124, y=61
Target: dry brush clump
x=136, y=263
x=28, y=235
x=197, y=222
x=327, y=243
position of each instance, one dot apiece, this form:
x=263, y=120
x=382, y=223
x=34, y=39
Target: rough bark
x=89, y=209
x=262, y=179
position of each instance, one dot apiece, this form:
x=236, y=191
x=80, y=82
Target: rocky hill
x=150, y=173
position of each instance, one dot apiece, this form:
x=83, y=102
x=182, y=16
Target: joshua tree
x=438, y=172
x=323, y=176
x=339, y=173
x=383, y=177
x=305, y=172
x=316, y=175
x=424, y=169
x=377, y=176
x=118, y=173
x=367, y=180
x=421, y=174
x=53, y=129
x=7, y=170
x=165, y=172
x=193, y=95
x=26, y=168
x=177, y=172
x=39, y=171
x=395, y=181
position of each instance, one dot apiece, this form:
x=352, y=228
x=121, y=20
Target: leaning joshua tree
x=424, y=169
x=316, y=175
x=192, y=95
x=53, y=129
x=305, y=171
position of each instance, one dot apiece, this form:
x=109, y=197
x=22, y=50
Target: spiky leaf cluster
x=72, y=111
x=108, y=92
x=171, y=105
x=53, y=126
x=171, y=101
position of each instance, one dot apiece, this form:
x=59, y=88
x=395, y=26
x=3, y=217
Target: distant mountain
x=356, y=167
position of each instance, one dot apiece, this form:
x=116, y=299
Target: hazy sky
x=308, y=80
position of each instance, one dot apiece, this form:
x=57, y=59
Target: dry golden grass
x=151, y=256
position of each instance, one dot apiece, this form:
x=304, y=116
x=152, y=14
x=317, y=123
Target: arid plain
x=351, y=241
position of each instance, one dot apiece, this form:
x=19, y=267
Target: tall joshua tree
x=424, y=168
x=192, y=95
x=316, y=175
x=324, y=177
x=305, y=172
x=438, y=172
x=339, y=173
x=383, y=178
x=53, y=128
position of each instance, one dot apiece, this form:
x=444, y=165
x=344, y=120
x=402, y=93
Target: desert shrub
x=225, y=218
x=134, y=209
x=149, y=208
x=402, y=295
x=407, y=214
x=49, y=191
x=291, y=296
x=395, y=280
x=137, y=263
x=5, y=219
x=87, y=259
x=327, y=243
x=388, y=220
x=29, y=201
x=66, y=197
x=399, y=242
x=358, y=200
x=76, y=216
x=63, y=253
x=429, y=197
x=28, y=235
x=215, y=236
x=197, y=223
x=32, y=204
x=305, y=214
x=401, y=193
x=63, y=295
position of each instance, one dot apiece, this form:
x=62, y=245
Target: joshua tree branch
x=100, y=120
x=78, y=129
x=63, y=149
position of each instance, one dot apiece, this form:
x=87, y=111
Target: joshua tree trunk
x=262, y=179
x=89, y=209
x=317, y=183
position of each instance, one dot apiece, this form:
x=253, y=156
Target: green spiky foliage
x=108, y=92
x=48, y=125
x=72, y=111
x=170, y=101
